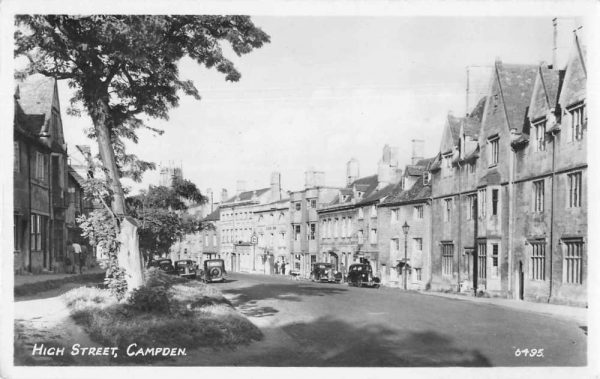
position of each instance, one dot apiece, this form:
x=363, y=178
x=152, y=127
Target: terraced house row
x=500, y=209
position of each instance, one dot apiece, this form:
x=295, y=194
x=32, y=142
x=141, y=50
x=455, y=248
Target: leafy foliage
x=124, y=66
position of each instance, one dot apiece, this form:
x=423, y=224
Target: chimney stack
x=210, y=200
x=562, y=41
x=275, y=186
x=240, y=186
x=417, y=151
x=352, y=171
x=314, y=178
x=224, y=195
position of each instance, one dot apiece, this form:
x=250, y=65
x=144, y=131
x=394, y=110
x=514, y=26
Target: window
x=298, y=205
x=471, y=168
x=373, y=236
x=296, y=232
x=495, y=252
x=336, y=226
x=38, y=232
x=538, y=260
x=17, y=165
x=361, y=236
x=572, y=265
x=482, y=260
x=574, y=190
x=395, y=217
x=343, y=227
x=540, y=136
x=494, y=202
x=313, y=231
x=447, y=258
x=206, y=240
x=373, y=211
x=418, y=211
x=577, y=122
x=361, y=213
x=418, y=243
x=349, y=227
x=482, y=202
x=395, y=243
x=313, y=203
x=40, y=166
x=447, y=209
x=447, y=165
x=538, y=196
x=493, y=151
x=214, y=240
x=418, y=274
x=471, y=204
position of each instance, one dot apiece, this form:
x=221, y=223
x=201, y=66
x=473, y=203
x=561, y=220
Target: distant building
x=272, y=232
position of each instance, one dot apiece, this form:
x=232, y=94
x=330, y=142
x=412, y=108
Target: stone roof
x=213, y=216
x=516, y=81
x=545, y=92
x=418, y=191
x=472, y=123
x=246, y=195
x=35, y=95
x=78, y=179
x=492, y=177
x=377, y=195
x=575, y=82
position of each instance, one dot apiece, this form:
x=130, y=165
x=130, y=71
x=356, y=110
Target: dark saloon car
x=213, y=271
x=186, y=268
x=324, y=272
x=361, y=274
x=164, y=264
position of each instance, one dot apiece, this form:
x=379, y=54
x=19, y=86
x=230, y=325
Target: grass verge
x=167, y=312
x=51, y=284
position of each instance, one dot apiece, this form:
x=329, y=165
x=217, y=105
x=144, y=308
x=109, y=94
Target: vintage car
x=361, y=274
x=186, y=268
x=213, y=271
x=164, y=264
x=324, y=272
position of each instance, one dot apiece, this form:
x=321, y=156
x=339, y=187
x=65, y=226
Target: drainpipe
x=511, y=204
x=29, y=208
x=552, y=216
x=459, y=222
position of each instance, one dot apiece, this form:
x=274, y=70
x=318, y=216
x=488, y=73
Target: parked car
x=361, y=274
x=164, y=264
x=213, y=271
x=186, y=268
x=324, y=272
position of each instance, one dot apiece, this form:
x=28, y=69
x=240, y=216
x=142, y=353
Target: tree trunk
x=129, y=255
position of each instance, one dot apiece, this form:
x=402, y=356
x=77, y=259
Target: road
x=313, y=324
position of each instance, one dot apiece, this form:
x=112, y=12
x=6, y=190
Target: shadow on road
x=279, y=291
x=332, y=342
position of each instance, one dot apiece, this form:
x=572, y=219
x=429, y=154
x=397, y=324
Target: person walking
x=76, y=257
x=283, y=268
x=277, y=267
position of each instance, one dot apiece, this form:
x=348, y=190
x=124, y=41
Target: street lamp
x=405, y=229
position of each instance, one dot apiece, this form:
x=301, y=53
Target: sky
x=327, y=89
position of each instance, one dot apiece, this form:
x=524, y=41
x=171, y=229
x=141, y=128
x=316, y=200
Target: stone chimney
x=275, y=186
x=314, y=178
x=240, y=186
x=352, y=171
x=417, y=151
x=210, y=202
x=224, y=195
x=387, y=168
x=562, y=41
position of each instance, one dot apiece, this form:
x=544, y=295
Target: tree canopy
x=122, y=67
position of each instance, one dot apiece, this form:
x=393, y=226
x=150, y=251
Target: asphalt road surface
x=313, y=324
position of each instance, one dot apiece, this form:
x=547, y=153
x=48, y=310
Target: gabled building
x=40, y=177
x=549, y=206
x=409, y=203
x=305, y=220
x=349, y=227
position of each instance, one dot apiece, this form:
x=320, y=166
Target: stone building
x=272, y=230
x=305, y=220
x=237, y=222
x=349, y=223
x=409, y=202
x=40, y=177
x=549, y=207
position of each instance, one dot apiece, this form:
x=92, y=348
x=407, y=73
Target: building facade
x=40, y=177
x=272, y=236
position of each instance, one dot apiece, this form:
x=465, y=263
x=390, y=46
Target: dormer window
x=493, y=150
x=361, y=213
x=577, y=116
x=447, y=165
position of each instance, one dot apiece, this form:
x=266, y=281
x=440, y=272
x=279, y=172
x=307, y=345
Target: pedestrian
x=276, y=267
x=283, y=268
x=76, y=257
x=68, y=261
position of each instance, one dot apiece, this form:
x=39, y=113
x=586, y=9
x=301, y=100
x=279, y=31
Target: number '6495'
x=531, y=353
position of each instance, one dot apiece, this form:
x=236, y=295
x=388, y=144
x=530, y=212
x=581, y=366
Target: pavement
x=42, y=277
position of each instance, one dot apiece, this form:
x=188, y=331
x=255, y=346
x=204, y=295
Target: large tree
x=122, y=67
